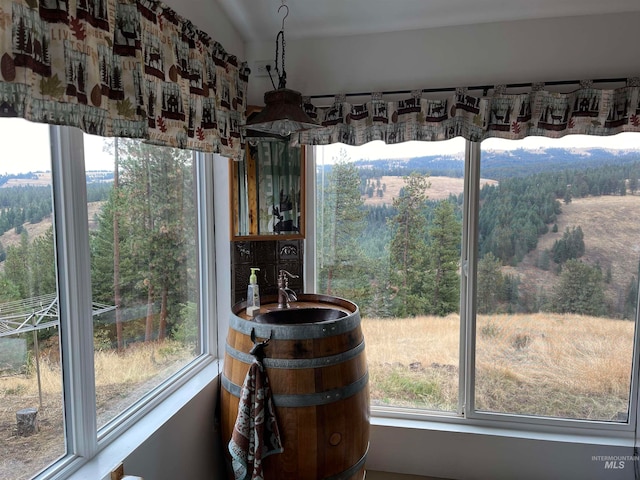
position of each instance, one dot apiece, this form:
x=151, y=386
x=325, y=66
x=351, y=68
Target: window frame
x=84, y=441
x=467, y=419
x=572, y=424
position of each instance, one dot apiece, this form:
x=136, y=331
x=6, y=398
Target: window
x=144, y=286
x=557, y=277
x=511, y=298
x=389, y=238
x=125, y=325
x=31, y=417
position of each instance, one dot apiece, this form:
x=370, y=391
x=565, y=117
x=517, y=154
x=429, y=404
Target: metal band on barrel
x=305, y=399
x=297, y=363
x=296, y=332
x=348, y=473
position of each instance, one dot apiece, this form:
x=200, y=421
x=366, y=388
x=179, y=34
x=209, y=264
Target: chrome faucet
x=285, y=294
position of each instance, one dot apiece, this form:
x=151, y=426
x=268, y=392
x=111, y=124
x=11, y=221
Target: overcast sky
x=25, y=147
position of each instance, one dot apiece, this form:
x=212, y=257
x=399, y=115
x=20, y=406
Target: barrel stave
x=326, y=434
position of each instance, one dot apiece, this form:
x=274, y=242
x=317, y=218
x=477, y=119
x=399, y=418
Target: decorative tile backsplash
x=270, y=256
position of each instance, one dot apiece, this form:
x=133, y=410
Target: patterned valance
x=587, y=110
x=125, y=68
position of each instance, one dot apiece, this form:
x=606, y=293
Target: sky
x=25, y=147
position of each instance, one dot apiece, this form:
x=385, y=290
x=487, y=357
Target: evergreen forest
x=142, y=245
x=403, y=259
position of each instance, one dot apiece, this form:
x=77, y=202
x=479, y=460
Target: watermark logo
x=615, y=462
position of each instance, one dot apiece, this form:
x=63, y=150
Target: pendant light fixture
x=283, y=113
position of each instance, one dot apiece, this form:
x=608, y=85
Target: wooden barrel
x=319, y=380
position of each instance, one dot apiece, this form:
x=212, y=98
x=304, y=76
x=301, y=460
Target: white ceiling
x=259, y=20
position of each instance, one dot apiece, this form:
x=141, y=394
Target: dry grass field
x=43, y=180
x=541, y=364
x=440, y=189
x=121, y=380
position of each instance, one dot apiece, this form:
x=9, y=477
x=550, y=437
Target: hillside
x=43, y=179
x=608, y=223
x=37, y=179
x=441, y=188
x=499, y=164
x=36, y=229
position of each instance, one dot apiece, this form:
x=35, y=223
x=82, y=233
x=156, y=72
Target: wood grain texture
x=320, y=441
x=252, y=193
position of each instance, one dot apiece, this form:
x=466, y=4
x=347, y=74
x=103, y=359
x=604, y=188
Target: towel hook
x=258, y=347
x=286, y=14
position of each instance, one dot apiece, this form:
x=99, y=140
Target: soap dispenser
x=253, y=294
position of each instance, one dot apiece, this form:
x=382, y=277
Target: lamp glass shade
x=282, y=114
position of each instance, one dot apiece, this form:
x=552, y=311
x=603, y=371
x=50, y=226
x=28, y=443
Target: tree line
x=143, y=255
x=33, y=204
x=393, y=261
x=500, y=164
x=404, y=259
x=517, y=210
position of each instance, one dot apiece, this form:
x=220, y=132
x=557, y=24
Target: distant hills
x=501, y=164
x=43, y=179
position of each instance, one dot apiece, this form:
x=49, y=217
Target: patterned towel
x=255, y=434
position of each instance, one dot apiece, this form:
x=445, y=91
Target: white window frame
x=467, y=420
x=93, y=452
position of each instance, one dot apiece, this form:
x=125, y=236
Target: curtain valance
x=587, y=110
x=125, y=68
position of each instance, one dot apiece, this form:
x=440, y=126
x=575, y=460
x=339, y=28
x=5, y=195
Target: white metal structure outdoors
x=33, y=314
x=36, y=313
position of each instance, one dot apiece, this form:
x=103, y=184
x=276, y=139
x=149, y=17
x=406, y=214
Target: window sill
x=452, y=424
x=452, y=447
x=136, y=432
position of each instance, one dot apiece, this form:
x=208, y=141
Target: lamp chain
x=282, y=74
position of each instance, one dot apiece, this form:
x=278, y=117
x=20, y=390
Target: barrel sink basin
x=310, y=308
x=294, y=316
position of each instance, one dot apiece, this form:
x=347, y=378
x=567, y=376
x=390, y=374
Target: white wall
x=186, y=447
x=481, y=454
x=525, y=51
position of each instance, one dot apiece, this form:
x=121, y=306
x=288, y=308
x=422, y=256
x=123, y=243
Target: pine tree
x=8, y=290
x=16, y=267
x=21, y=37
x=408, y=247
x=442, y=282
x=581, y=290
x=342, y=261
x=570, y=246
x=490, y=284
x=631, y=300
x=544, y=259
x=42, y=264
x=154, y=206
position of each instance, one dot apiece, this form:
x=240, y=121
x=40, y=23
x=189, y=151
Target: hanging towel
x=255, y=434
